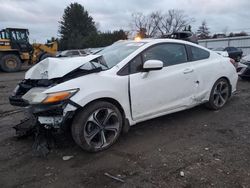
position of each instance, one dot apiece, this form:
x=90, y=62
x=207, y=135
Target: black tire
x=219, y=95
x=10, y=63
x=88, y=135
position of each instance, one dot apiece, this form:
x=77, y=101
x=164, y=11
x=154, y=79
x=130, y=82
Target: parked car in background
x=221, y=52
x=72, y=53
x=128, y=82
x=233, y=52
x=94, y=50
x=244, y=67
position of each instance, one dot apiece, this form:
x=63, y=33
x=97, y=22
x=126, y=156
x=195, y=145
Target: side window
x=136, y=65
x=13, y=35
x=168, y=53
x=198, y=53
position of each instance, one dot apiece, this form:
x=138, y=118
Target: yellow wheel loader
x=15, y=49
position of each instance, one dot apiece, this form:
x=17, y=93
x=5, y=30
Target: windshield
x=115, y=53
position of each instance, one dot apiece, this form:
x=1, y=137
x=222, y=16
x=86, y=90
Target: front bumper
x=18, y=101
x=54, y=115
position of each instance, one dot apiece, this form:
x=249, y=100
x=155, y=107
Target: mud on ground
x=193, y=148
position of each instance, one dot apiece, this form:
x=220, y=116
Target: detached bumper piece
x=46, y=123
x=25, y=128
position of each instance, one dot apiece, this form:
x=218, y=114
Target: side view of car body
x=124, y=84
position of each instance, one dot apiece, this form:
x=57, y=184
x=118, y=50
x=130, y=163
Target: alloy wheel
x=221, y=93
x=101, y=128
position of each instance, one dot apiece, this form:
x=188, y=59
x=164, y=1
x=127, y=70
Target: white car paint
x=223, y=53
x=152, y=93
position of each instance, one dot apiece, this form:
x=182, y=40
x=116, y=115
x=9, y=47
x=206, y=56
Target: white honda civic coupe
x=101, y=95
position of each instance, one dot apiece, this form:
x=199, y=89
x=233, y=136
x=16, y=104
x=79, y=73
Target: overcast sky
x=41, y=16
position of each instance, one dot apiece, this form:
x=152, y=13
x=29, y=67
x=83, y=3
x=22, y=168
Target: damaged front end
x=49, y=113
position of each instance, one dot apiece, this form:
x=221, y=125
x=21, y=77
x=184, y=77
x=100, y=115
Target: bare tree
x=146, y=25
x=157, y=23
x=174, y=21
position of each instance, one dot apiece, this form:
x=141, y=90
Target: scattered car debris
x=114, y=177
x=24, y=128
x=182, y=174
x=66, y=158
x=44, y=141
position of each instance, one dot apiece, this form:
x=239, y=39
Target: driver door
x=158, y=92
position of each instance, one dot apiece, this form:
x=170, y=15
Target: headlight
x=36, y=96
x=59, y=96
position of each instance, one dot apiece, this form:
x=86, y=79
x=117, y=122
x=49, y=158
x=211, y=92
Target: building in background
x=238, y=42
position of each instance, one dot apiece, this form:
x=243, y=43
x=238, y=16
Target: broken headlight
x=37, y=95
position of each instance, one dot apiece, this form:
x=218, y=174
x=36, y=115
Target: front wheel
x=219, y=95
x=97, y=127
x=10, y=63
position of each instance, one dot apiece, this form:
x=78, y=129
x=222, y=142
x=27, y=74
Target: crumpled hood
x=50, y=68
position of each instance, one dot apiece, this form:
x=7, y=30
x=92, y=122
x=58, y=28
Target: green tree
x=105, y=39
x=75, y=26
x=203, y=31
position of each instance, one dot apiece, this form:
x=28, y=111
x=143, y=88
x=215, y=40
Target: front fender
x=96, y=86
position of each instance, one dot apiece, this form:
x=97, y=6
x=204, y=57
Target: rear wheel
x=97, y=127
x=219, y=95
x=10, y=63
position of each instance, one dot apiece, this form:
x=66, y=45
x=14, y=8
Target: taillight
x=235, y=64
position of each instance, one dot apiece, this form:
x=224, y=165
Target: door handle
x=188, y=70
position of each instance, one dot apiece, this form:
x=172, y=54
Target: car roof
x=152, y=41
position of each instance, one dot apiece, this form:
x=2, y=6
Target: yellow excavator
x=16, y=50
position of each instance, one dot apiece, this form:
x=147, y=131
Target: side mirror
x=152, y=65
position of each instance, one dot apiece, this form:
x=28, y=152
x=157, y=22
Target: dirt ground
x=193, y=148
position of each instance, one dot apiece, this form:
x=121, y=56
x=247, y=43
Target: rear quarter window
x=198, y=53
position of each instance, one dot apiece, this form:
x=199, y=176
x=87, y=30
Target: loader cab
x=3, y=34
x=19, y=39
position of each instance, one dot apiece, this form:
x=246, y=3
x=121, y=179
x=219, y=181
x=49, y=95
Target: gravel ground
x=193, y=148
